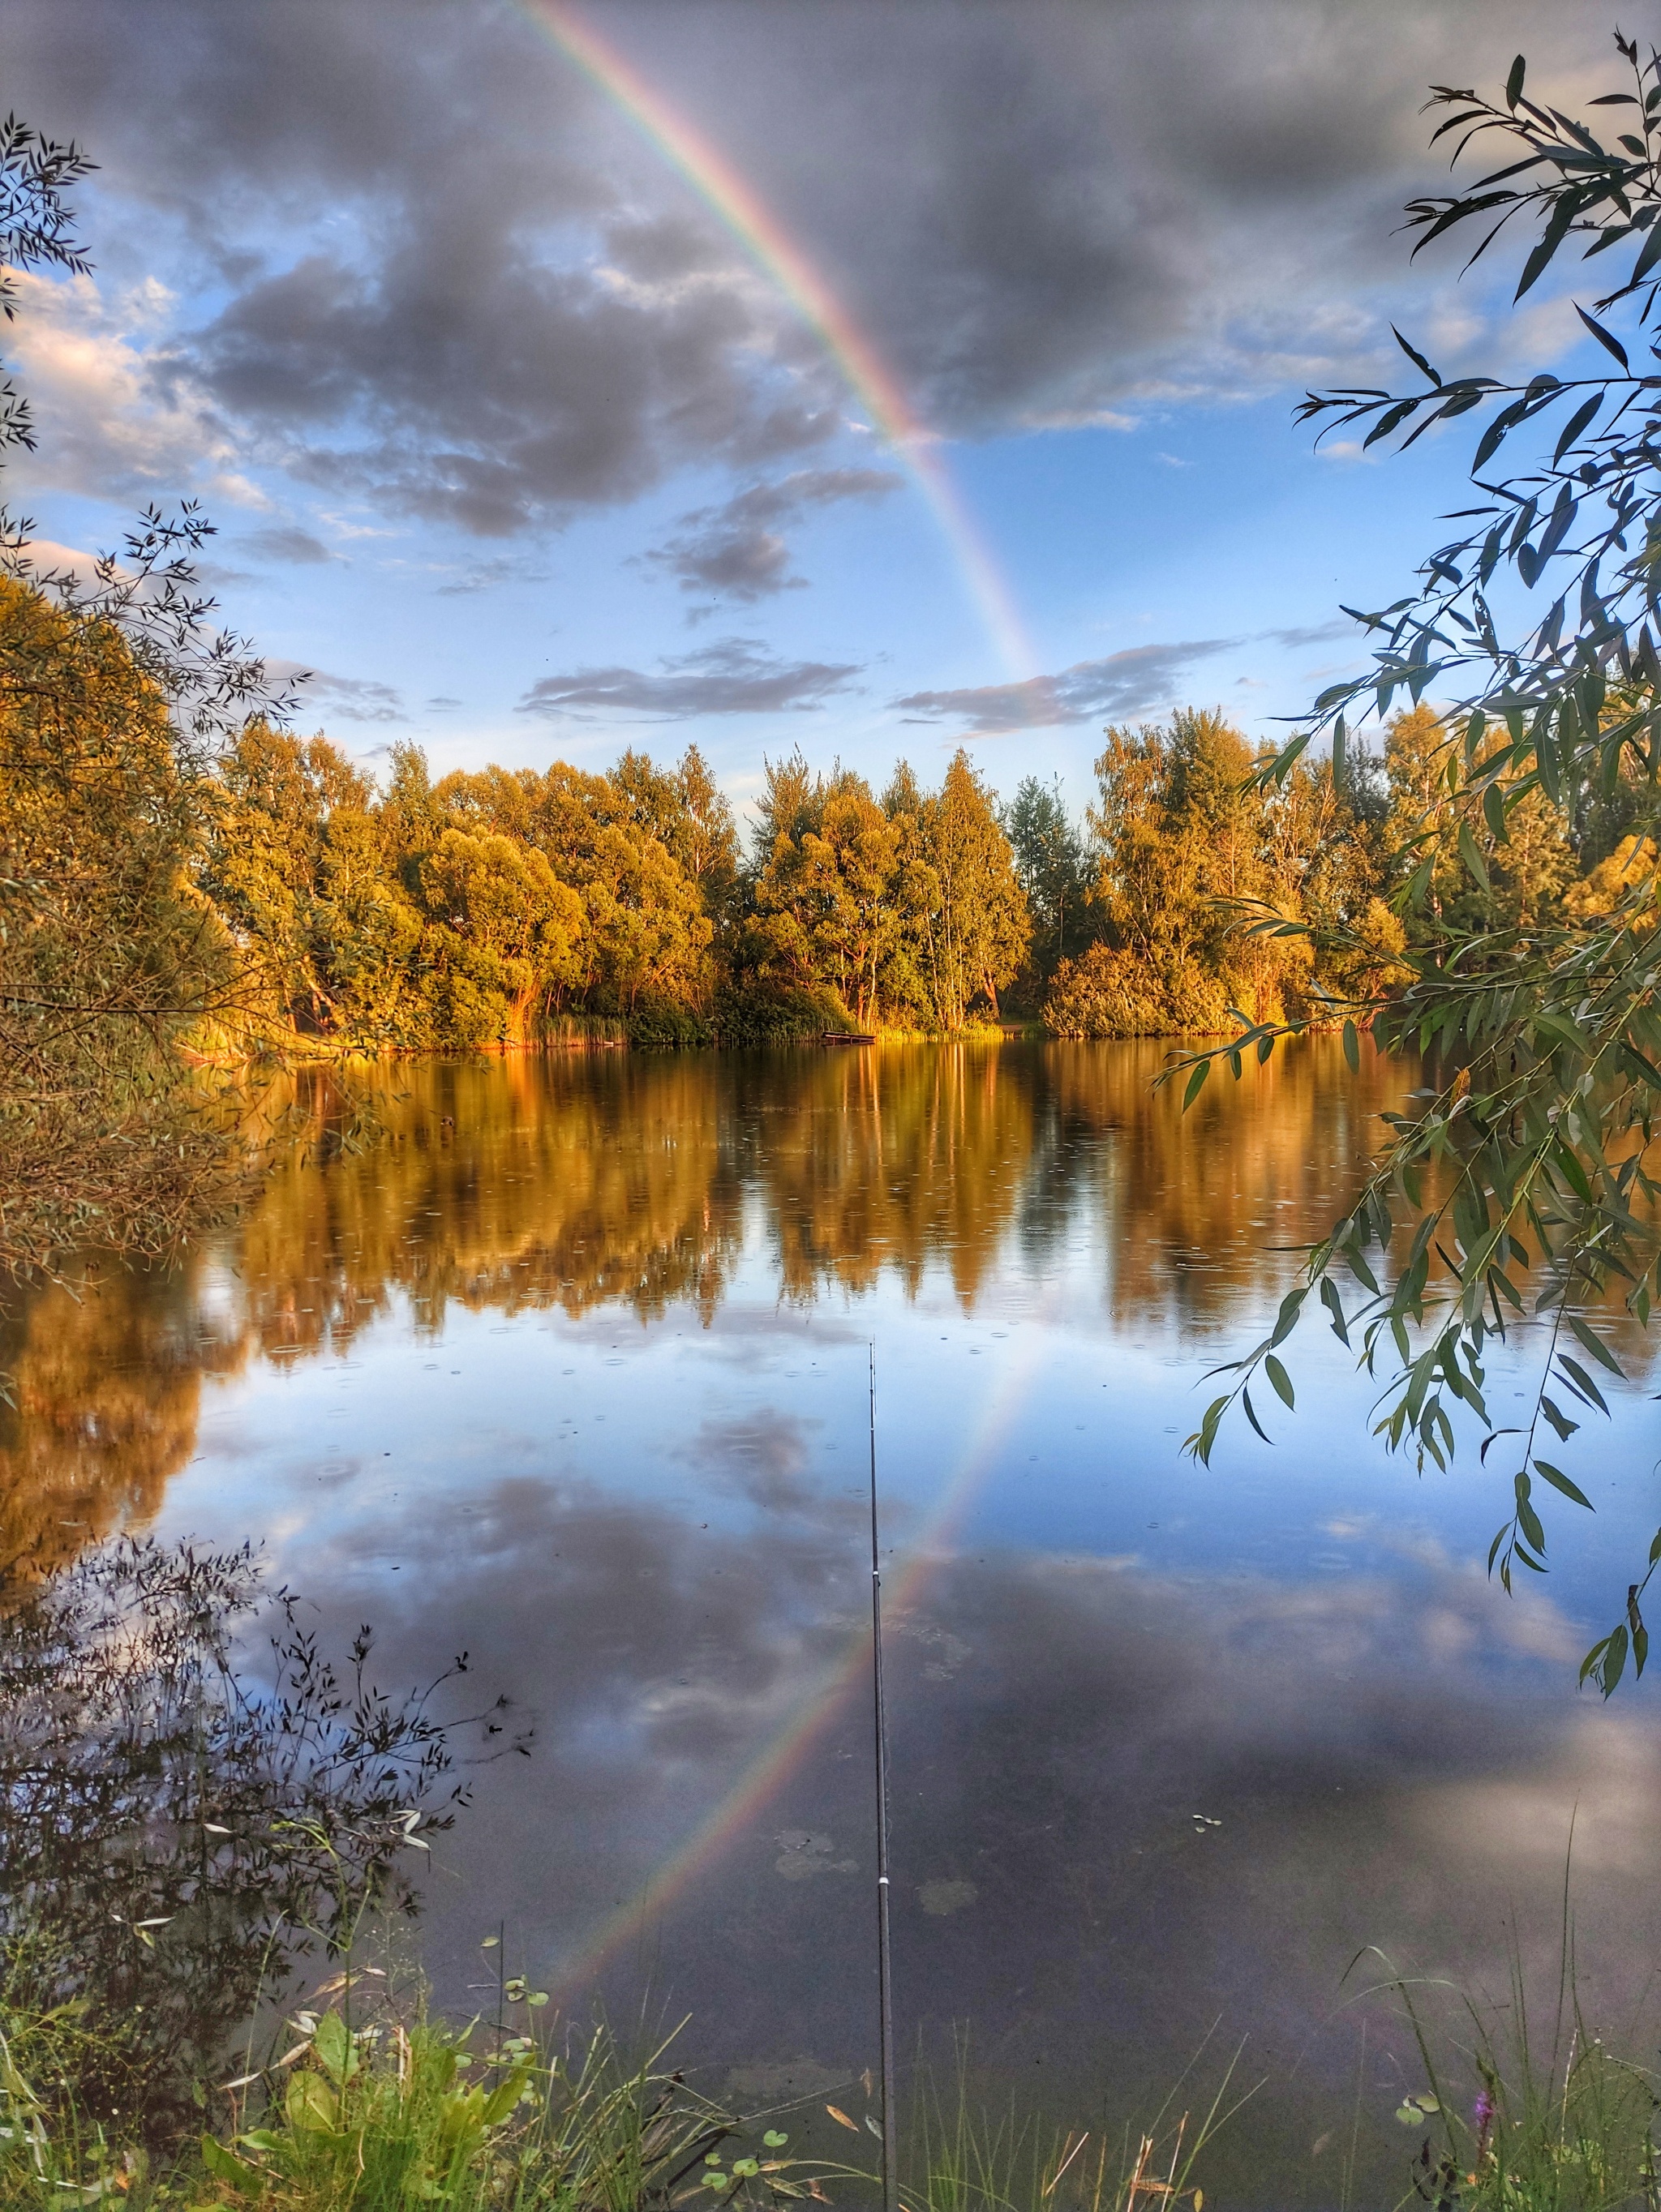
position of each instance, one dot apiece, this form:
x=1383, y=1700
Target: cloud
x=1315, y=633
x=734, y=677
x=1138, y=681
x=735, y=550
x=1039, y=215
x=353, y=698
x=485, y=575
x=103, y=426
x=441, y=704
x=287, y=543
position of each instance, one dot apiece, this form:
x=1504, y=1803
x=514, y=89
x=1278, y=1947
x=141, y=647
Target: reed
x=966, y=2156
x=1522, y=2115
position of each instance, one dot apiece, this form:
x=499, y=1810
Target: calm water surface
x=570, y=1372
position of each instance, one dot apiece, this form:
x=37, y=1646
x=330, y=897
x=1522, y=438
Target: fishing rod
x=891, y=2164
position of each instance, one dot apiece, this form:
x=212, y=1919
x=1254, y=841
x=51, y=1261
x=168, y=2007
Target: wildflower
x=1483, y=2112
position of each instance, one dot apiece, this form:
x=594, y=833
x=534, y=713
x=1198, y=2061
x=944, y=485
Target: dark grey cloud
x=1138, y=681
x=353, y=698
x=735, y=675
x=448, y=278
x=736, y=551
x=287, y=543
x=449, y=292
x=1045, y=213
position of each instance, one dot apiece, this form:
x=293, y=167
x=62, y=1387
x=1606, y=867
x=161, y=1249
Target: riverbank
x=372, y=2106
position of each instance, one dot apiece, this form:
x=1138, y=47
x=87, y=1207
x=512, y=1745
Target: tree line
x=164, y=900
x=503, y=907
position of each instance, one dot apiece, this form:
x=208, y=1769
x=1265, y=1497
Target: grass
x=1516, y=2119
x=379, y=2115
x=364, y=2103
x=373, y=2107
x=964, y=2158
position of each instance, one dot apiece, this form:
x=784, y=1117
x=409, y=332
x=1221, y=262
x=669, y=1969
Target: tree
x=1177, y=838
x=978, y=932
x=503, y=933
x=825, y=894
x=107, y=955
x=113, y=693
x=1525, y=1173
x=1052, y=868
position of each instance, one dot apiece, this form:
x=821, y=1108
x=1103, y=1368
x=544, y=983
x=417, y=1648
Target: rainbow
x=783, y=1755
x=770, y=246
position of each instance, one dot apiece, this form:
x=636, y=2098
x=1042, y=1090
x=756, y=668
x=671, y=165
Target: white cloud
x=107, y=424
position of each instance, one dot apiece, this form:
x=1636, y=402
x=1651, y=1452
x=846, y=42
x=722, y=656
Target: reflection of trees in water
x=890, y=1159
x=172, y=1836
x=1193, y=1206
x=576, y=1182
x=512, y=1183
x=105, y=1383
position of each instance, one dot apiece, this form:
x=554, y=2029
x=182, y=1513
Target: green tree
x=111, y=689
x=1052, y=868
x=824, y=895
x=108, y=958
x=977, y=934
x=278, y=800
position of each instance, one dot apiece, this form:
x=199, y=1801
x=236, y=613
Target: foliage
x=1052, y=865
x=107, y=953
x=495, y=909
x=111, y=687
x=1526, y=1172
x=908, y=908
x=37, y=231
x=1179, y=837
x=173, y=1833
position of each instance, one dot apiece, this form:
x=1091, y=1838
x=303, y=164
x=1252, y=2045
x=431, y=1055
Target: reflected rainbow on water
x=784, y=1753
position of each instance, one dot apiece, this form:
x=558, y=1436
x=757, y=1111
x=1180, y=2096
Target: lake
x=569, y=1370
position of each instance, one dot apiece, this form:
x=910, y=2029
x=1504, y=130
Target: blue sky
x=484, y=397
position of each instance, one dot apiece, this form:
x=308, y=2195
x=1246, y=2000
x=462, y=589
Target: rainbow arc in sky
x=780, y=258
x=770, y=246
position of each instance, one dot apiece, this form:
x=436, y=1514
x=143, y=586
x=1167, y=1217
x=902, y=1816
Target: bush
x=1105, y=992
x=760, y=1013
x=661, y=1025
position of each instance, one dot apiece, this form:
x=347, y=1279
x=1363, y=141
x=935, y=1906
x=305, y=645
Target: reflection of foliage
x=893, y=1158
x=579, y=1182
x=173, y=1835
x=106, y=1380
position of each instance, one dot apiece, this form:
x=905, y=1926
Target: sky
x=869, y=378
